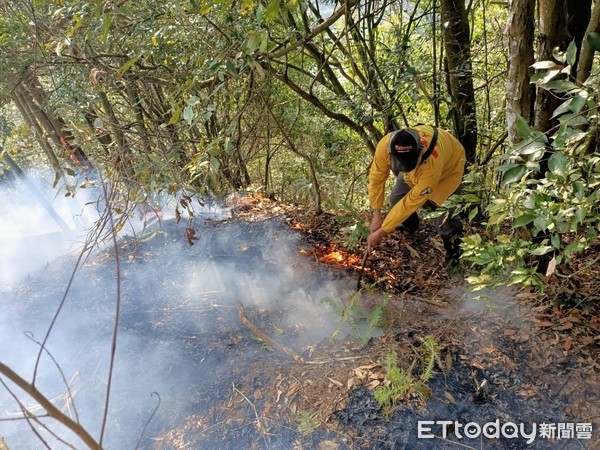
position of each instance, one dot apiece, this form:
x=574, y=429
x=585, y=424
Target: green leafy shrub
x=548, y=201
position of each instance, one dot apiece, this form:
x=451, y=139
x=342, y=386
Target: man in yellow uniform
x=429, y=164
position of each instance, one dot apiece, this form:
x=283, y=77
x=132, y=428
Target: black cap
x=405, y=148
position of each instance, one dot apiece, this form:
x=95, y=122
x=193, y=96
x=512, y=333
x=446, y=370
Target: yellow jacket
x=436, y=179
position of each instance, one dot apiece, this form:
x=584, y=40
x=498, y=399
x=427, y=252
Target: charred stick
x=265, y=338
x=362, y=268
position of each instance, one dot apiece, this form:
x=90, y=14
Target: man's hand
x=375, y=238
x=376, y=221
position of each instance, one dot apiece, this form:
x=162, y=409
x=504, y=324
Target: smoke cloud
x=179, y=336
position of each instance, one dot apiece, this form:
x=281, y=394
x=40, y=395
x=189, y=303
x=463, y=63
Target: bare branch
x=52, y=410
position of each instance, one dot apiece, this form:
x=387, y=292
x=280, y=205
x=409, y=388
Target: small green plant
x=350, y=313
x=400, y=382
x=308, y=422
x=375, y=319
x=505, y=261
x=356, y=229
x=431, y=352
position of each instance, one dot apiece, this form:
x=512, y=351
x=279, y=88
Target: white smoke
x=178, y=303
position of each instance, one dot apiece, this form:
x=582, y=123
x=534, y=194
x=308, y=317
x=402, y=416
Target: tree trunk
x=55, y=127
x=458, y=52
x=519, y=92
x=552, y=33
x=579, y=13
x=30, y=119
x=586, y=57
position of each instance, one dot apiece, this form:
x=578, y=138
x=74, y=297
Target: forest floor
x=519, y=356
x=231, y=333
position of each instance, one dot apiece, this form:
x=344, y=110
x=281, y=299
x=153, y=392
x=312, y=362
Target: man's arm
x=378, y=175
x=415, y=198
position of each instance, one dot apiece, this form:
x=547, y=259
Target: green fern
x=345, y=315
x=431, y=352
x=308, y=422
x=390, y=361
x=401, y=382
x=375, y=319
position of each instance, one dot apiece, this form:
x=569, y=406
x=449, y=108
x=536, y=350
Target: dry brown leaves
x=534, y=337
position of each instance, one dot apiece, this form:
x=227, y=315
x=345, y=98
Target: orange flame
x=300, y=227
x=336, y=256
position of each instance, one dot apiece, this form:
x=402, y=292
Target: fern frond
x=375, y=319
x=390, y=361
x=431, y=351
x=308, y=422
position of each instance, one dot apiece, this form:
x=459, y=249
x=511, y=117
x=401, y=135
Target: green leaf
x=578, y=103
x=514, y=174
x=542, y=250
x=253, y=41
x=230, y=66
x=579, y=189
x=106, y=27
x=272, y=10
x=571, y=53
x=573, y=119
x=561, y=136
x=176, y=116
x=518, y=279
x=125, y=67
x=523, y=128
x=563, y=108
x=193, y=100
x=593, y=39
x=529, y=147
x=561, y=86
x=546, y=65
x=264, y=42
x=555, y=239
x=557, y=163
x=472, y=214
x=247, y=6
x=542, y=223
x=529, y=202
x=505, y=167
x=188, y=114
x=581, y=214
x=524, y=220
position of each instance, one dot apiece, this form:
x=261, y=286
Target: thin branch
x=117, y=311
x=70, y=399
x=266, y=339
x=315, y=31
x=52, y=410
x=58, y=311
x=149, y=420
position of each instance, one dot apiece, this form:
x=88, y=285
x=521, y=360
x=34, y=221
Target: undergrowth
x=400, y=383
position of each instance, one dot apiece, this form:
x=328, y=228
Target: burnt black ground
x=180, y=336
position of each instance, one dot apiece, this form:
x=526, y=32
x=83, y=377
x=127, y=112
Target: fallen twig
x=341, y=359
x=265, y=338
x=421, y=299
